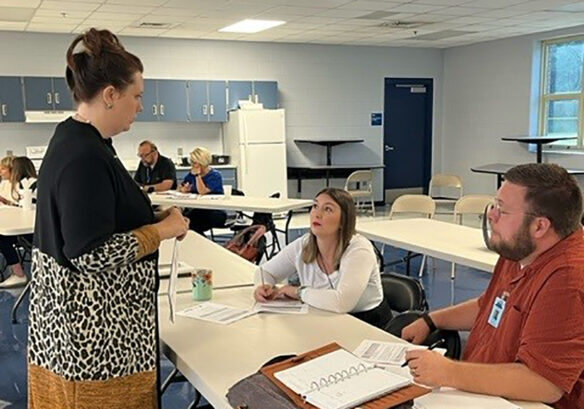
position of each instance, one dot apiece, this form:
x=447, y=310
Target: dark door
x=407, y=133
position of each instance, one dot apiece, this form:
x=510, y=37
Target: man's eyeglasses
x=498, y=211
x=144, y=155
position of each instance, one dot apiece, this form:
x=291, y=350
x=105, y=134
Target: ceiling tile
x=119, y=8
x=416, y=8
x=57, y=13
x=369, y=5
x=20, y=3
x=341, y=13
x=69, y=5
x=492, y=4
x=115, y=16
x=13, y=25
x=153, y=3
x=18, y=14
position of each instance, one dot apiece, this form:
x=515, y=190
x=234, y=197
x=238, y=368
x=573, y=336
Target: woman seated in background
x=22, y=167
x=338, y=268
x=5, y=186
x=203, y=180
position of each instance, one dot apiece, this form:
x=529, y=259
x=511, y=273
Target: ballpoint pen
x=262, y=276
x=431, y=347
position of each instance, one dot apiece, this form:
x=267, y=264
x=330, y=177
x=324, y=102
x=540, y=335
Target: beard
x=519, y=247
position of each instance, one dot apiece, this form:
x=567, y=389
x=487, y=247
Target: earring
x=109, y=106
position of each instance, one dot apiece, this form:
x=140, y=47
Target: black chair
x=231, y=219
x=452, y=338
x=403, y=293
x=267, y=220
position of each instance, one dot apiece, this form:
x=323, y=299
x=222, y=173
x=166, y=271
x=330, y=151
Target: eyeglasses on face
x=144, y=155
x=498, y=211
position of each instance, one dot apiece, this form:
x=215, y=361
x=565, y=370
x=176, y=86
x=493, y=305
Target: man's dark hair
x=552, y=193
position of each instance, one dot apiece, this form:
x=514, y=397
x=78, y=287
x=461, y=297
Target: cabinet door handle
x=211, y=110
x=205, y=109
x=154, y=110
x=161, y=109
x=49, y=98
x=57, y=98
x=4, y=110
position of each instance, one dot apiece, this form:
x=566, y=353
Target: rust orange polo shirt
x=543, y=322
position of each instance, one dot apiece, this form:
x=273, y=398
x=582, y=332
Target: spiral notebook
x=333, y=378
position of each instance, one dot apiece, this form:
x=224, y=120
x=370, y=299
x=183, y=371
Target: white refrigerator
x=256, y=141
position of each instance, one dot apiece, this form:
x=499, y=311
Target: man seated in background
x=155, y=173
x=527, y=329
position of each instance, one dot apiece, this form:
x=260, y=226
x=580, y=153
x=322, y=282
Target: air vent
x=401, y=24
x=147, y=24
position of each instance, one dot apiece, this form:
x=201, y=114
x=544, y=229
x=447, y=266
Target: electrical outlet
x=179, y=152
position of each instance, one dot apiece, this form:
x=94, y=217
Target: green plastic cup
x=202, y=281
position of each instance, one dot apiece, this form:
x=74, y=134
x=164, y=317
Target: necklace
x=81, y=118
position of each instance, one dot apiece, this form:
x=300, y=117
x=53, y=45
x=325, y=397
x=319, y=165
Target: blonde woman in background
x=5, y=186
x=203, y=180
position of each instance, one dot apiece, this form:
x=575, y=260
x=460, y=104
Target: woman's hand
x=173, y=225
x=266, y=292
x=289, y=291
x=185, y=187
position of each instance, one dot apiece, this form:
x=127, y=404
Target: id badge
x=497, y=312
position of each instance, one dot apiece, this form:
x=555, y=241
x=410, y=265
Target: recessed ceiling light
x=251, y=26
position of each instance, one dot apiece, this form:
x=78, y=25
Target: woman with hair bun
x=93, y=339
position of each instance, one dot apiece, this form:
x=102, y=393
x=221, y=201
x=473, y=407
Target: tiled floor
x=13, y=338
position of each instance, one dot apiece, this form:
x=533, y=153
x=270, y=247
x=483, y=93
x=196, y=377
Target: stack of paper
x=217, y=313
x=281, y=307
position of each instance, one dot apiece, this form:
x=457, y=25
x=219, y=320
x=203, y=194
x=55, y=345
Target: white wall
x=491, y=91
x=327, y=91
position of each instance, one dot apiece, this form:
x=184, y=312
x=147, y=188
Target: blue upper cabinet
x=239, y=90
x=172, y=100
x=217, y=101
x=149, y=103
x=207, y=101
x=38, y=93
x=198, y=101
x=164, y=100
x=62, y=98
x=266, y=92
x=47, y=94
x=11, y=102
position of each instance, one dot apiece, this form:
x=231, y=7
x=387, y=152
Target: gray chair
x=359, y=184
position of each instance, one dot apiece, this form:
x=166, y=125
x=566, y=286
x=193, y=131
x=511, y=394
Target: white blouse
x=356, y=285
x=6, y=190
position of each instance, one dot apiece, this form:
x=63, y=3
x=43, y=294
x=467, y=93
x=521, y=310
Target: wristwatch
x=299, y=292
x=429, y=322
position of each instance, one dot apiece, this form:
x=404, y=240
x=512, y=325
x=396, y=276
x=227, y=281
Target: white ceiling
x=410, y=23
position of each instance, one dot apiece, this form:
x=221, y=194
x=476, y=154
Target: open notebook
x=339, y=380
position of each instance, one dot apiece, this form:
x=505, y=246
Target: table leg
x=328, y=155
x=539, y=152
x=328, y=178
x=499, y=180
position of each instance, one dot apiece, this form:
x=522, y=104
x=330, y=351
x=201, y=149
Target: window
x=562, y=97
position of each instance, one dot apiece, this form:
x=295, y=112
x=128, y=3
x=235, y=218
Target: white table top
x=213, y=357
x=447, y=241
x=236, y=203
x=229, y=270
x=15, y=221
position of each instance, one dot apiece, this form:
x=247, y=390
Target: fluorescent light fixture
x=251, y=26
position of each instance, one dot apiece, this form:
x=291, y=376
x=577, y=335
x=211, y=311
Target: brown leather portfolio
x=384, y=402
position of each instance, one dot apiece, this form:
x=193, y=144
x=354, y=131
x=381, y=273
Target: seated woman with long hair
x=22, y=167
x=337, y=267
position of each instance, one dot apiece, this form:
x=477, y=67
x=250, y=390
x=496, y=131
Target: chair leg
x=372, y=207
x=453, y=271
x=19, y=301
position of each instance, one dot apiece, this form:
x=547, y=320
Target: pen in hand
x=431, y=347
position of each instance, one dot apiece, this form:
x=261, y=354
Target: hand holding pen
x=427, y=367
x=265, y=292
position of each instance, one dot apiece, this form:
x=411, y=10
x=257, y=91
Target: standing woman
x=93, y=322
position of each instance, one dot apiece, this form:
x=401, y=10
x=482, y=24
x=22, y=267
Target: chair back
x=414, y=204
x=360, y=183
x=403, y=293
x=451, y=338
x=471, y=205
x=443, y=181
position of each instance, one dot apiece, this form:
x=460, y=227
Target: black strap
x=428, y=320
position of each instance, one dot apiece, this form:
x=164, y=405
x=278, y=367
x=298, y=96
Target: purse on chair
x=248, y=243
